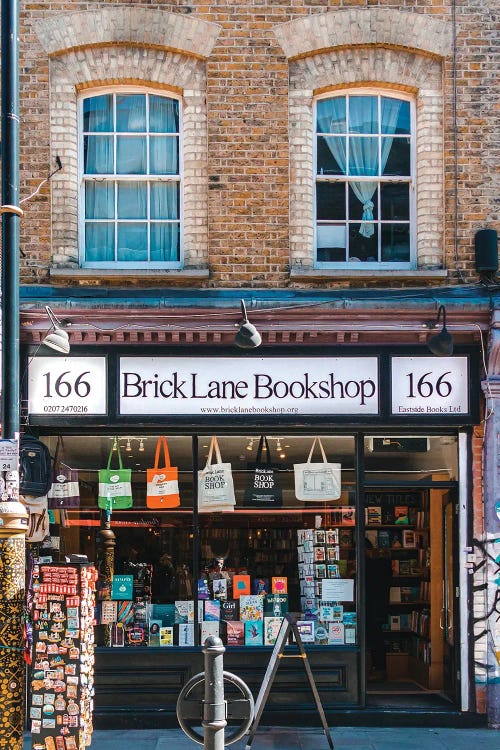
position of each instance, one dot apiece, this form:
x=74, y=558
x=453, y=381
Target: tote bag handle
x=162, y=442
x=120, y=463
x=213, y=445
x=262, y=441
x=312, y=449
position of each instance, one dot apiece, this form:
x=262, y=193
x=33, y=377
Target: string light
x=141, y=445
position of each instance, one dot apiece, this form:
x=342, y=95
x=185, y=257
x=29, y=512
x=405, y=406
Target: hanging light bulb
x=128, y=447
x=278, y=444
x=141, y=446
x=250, y=444
x=115, y=444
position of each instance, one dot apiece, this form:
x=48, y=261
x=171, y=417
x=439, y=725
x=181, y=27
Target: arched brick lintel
x=365, y=26
x=127, y=25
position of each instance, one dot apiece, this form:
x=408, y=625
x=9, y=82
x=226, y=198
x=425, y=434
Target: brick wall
x=247, y=240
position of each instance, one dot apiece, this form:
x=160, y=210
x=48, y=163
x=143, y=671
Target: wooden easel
x=288, y=625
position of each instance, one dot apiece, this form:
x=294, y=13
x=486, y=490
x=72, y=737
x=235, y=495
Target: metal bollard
x=214, y=705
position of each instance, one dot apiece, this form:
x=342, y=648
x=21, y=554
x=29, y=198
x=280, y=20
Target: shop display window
x=280, y=538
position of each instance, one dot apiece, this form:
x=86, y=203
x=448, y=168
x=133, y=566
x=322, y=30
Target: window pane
x=132, y=200
x=164, y=155
x=330, y=200
x=131, y=113
x=362, y=248
x=331, y=242
x=331, y=155
x=163, y=115
x=99, y=200
x=395, y=201
x=363, y=114
x=99, y=242
x=98, y=114
x=165, y=201
x=130, y=155
x=395, y=115
x=132, y=242
x=98, y=154
x=396, y=155
x=360, y=193
x=330, y=115
x=363, y=156
x=395, y=243
x=164, y=242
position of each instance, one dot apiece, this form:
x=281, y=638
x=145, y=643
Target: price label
x=67, y=386
x=430, y=386
x=9, y=455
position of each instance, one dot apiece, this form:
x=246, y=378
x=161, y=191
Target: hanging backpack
x=35, y=467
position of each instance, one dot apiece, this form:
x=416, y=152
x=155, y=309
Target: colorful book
x=219, y=587
x=333, y=570
x=229, y=610
x=321, y=634
x=279, y=585
x=335, y=633
x=276, y=605
x=186, y=634
x=235, y=633
x=306, y=630
x=154, y=632
x=122, y=587
x=209, y=629
x=254, y=633
x=332, y=536
x=241, y=586
x=373, y=515
x=203, y=589
x=164, y=612
x=272, y=627
x=184, y=611
x=409, y=539
x=401, y=514
x=348, y=516
x=125, y=612
x=326, y=611
x=260, y=586
x=211, y=610
x=384, y=538
x=251, y=607
x=167, y=636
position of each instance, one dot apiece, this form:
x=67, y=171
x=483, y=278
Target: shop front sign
x=429, y=386
x=68, y=386
x=227, y=386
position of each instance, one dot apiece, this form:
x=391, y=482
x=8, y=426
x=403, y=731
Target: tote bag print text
x=215, y=483
x=115, y=487
x=317, y=481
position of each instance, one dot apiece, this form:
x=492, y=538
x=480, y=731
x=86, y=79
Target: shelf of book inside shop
x=74, y=516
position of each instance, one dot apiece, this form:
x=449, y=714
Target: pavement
x=282, y=738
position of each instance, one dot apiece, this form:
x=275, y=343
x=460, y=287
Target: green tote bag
x=115, y=487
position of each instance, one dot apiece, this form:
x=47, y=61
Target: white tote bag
x=317, y=481
x=38, y=521
x=215, y=484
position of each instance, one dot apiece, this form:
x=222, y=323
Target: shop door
x=450, y=613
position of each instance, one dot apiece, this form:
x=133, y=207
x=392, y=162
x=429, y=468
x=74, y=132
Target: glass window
x=363, y=146
x=131, y=135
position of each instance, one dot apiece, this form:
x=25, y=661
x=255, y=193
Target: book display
x=62, y=681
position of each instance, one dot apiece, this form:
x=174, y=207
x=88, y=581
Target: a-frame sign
x=289, y=625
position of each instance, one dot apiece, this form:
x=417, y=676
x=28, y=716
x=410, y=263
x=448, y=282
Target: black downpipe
x=10, y=220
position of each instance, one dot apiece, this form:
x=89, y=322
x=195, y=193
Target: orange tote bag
x=163, y=488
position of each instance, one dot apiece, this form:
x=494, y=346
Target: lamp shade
x=248, y=337
x=58, y=340
x=441, y=344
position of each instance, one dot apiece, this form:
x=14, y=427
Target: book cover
x=241, y=586
x=350, y=633
x=154, y=632
x=333, y=570
x=184, y=611
x=260, y=586
x=335, y=633
x=321, y=634
x=229, y=610
x=326, y=611
x=373, y=515
x=306, y=630
x=125, y=612
x=203, y=589
x=235, y=633
x=136, y=635
x=279, y=585
x=122, y=587
x=396, y=539
x=219, y=587
x=209, y=629
x=186, y=634
x=109, y=612
x=333, y=553
x=272, y=627
x=372, y=536
x=319, y=554
x=165, y=613
x=409, y=539
x=320, y=571
x=401, y=514
x=348, y=516
x=319, y=536
x=384, y=538
x=332, y=536
x=251, y=607
x=276, y=605
x=167, y=636
x=254, y=633
x=117, y=634
x=395, y=594
x=211, y=611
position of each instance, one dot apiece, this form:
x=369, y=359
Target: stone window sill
x=109, y=274
x=323, y=274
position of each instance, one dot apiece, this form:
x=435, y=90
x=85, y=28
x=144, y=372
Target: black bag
x=264, y=490
x=35, y=467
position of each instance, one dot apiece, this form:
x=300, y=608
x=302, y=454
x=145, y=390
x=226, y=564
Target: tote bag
x=163, y=488
x=317, y=481
x=215, y=484
x=38, y=518
x=65, y=491
x=115, y=488
x=263, y=490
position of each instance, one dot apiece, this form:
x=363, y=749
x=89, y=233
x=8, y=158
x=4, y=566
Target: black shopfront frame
x=122, y=699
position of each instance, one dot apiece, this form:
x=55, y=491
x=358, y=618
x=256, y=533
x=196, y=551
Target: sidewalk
x=280, y=738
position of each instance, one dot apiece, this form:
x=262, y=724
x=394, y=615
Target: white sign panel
x=230, y=386
x=337, y=589
x=9, y=455
x=430, y=386
x=67, y=386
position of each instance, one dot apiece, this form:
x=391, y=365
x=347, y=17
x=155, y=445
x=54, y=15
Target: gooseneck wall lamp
x=441, y=344
x=247, y=336
x=57, y=338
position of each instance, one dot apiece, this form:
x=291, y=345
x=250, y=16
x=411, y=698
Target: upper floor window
x=131, y=180
x=364, y=181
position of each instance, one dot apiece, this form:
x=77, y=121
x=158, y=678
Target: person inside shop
x=164, y=580
x=378, y=582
